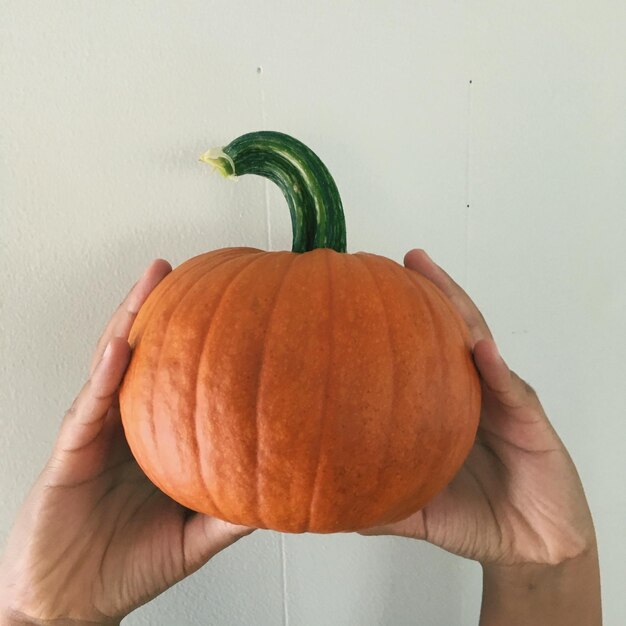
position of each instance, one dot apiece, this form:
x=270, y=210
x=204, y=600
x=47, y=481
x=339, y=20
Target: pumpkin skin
x=317, y=391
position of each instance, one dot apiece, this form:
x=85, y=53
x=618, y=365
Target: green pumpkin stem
x=317, y=218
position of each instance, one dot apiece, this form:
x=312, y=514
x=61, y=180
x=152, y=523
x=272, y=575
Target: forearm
x=567, y=594
x=15, y=618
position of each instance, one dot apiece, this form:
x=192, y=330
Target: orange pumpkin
x=311, y=390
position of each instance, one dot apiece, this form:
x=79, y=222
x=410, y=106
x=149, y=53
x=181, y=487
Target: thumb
x=205, y=536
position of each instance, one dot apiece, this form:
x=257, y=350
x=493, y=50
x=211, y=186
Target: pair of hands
x=95, y=538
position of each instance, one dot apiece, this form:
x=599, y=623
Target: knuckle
x=72, y=410
x=526, y=394
x=528, y=390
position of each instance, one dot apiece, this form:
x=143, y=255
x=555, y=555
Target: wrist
x=537, y=594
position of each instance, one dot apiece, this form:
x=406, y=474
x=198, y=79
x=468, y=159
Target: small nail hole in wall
x=259, y=69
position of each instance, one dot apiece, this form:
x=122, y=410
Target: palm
x=124, y=530
x=517, y=498
x=506, y=503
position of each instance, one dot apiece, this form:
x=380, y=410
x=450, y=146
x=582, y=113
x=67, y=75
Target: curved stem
x=316, y=213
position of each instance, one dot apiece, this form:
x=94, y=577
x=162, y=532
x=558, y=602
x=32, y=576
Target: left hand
x=518, y=498
x=95, y=538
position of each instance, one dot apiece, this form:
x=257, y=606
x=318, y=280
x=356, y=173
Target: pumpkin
x=306, y=390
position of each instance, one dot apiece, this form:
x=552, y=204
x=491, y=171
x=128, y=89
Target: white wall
x=515, y=183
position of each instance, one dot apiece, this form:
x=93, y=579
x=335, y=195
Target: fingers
x=83, y=421
x=419, y=261
x=123, y=318
x=82, y=447
x=512, y=417
x=205, y=536
x=507, y=387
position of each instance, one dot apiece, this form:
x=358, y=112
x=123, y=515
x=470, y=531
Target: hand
x=95, y=538
x=517, y=504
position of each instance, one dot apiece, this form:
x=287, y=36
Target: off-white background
x=491, y=133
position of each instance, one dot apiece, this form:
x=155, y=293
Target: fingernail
x=103, y=360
